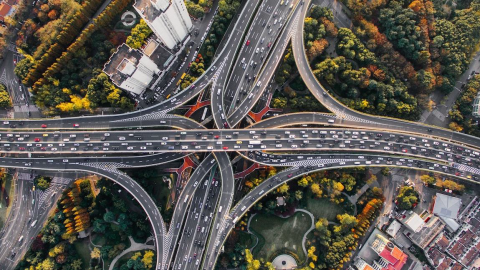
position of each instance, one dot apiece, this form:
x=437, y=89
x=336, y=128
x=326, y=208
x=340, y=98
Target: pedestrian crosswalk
x=466, y=168
x=3, y=77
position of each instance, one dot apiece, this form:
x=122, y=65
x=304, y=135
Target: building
x=388, y=256
x=130, y=69
x=423, y=232
x=393, y=228
x=413, y=222
x=476, y=106
x=168, y=19
x=7, y=9
x=447, y=206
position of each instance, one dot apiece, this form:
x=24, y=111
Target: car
x=217, y=136
x=290, y=175
x=225, y=148
x=21, y=148
x=76, y=125
x=225, y=124
x=269, y=44
x=37, y=139
x=248, y=42
x=44, y=126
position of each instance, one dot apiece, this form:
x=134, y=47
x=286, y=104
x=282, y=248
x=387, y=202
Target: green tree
x=298, y=195
x=138, y=35
x=42, y=182
x=407, y=197
x=194, y=10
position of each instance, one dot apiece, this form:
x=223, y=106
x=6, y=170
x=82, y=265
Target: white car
x=210, y=147
x=236, y=146
x=278, y=145
x=143, y=148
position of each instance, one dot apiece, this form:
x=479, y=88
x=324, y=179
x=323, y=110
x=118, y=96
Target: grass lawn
x=160, y=189
x=98, y=239
x=81, y=247
x=324, y=208
x=246, y=239
x=280, y=233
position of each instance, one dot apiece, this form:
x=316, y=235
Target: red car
x=248, y=42
x=21, y=148
x=269, y=44
x=37, y=139
x=216, y=136
x=225, y=124
x=76, y=125
x=225, y=148
x=44, y=125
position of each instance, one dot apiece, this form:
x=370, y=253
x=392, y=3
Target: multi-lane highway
x=239, y=75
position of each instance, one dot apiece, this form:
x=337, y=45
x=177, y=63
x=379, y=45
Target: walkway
x=134, y=246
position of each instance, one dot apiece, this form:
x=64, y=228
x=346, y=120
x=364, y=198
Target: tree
x=347, y=222
x=316, y=190
x=95, y=254
x=311, y=253
x=298, y=195
x=407, y=197
x=76, y=264
x=427, y=179
x=42, y=182
x=194, y=10
x=4, y=97
x=147, y=259
x=283, y=188
x=109, y=216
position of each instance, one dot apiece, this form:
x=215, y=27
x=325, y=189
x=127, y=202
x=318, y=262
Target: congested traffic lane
x=268, y=70
x=183, y=201
x=258, y=41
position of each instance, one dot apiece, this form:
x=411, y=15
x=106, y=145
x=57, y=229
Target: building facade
x=168, y=19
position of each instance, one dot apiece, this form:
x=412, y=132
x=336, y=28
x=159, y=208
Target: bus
x=181, y=79
x=204, y=113
x=255, y=142
x=20, y=239
x=33, y=223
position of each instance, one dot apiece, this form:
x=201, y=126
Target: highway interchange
x=203, y=215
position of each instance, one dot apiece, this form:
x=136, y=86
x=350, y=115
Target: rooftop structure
x=476, y=106
x=413, y=222
x=447, y=206
x=6, y=9
x=391, y=257
x=433, y=225
x=393, y=229
x=168, y=19
x=465, y=246
x=130, y=69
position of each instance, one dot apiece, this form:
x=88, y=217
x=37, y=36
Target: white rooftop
x=393, y=229
x=415, y=222
x=447, y=206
